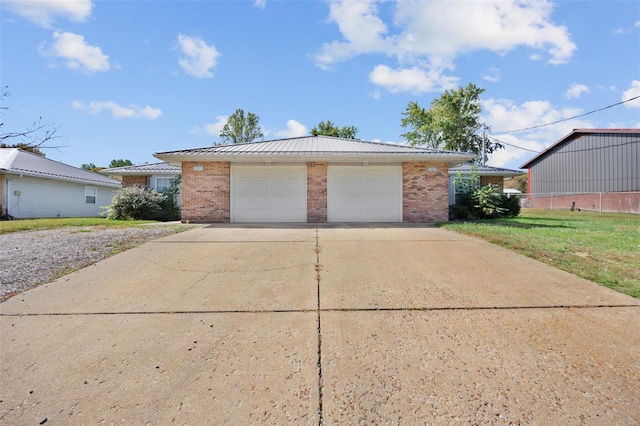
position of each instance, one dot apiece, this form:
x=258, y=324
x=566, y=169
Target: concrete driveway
x=320, y=325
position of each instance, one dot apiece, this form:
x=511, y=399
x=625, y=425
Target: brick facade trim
x=134, y=181
x=316, y=192
x=425, y=192
x=206, y=194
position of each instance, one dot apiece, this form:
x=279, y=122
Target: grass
x=7, y=226
x=600, y=247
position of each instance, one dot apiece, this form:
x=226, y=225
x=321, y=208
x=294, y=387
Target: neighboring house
x=32, y=187
x=157, y=176
x=314, y=179
x=589, y=169
x=488, y=175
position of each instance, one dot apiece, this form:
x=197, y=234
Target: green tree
x=240, y=128
x=119, y=163
x=89, y=166
x=330, y=129
x=452, y=122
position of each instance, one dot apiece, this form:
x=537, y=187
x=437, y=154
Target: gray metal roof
x=313, y=148
x=143, y=169
x=485, y=170
x=18, y=162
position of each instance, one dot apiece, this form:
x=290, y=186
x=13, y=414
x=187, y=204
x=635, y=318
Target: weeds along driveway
x=320, y=325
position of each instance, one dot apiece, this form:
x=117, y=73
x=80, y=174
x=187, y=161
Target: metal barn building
x=590, y=169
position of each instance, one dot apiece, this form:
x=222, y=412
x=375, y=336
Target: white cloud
x=431, y=34
x=637, y=24
x=44, y=12
x=492, y=75
x=294, y=130
x=260, y=3
x=215, y=128
x=199, y=59
x=414, y=79
x=503, y=115
x=118, y=111
x=79, y=55
x=576, y=90
x=632, y=92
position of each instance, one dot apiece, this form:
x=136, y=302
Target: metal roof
x=313, y=148
x=485, y=170
x=18, y=162
x=575, y=133
x=143, y=169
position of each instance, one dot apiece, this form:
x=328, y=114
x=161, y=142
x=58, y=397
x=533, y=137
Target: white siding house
x=32, y=187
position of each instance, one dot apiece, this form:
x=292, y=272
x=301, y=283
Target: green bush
x=511, y=204
x=474, y=201
x=135, y=203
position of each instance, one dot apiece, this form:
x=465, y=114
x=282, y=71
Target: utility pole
x=484, y=142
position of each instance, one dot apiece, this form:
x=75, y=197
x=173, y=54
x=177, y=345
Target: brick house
x=314, y=179
x=157, y=176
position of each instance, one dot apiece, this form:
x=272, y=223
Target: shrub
x=511, y=204
x=474, y=201
x=135, y=203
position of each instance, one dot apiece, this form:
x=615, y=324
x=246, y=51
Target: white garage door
x=364, y=193
x=268, y=193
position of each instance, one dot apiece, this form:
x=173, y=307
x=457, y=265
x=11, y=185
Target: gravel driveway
x=31, y=258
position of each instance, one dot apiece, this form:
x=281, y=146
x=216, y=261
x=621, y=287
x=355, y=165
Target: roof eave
x=114, y=184
x=329, y=158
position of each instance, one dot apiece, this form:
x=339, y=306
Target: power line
x=567, y=119
x=514, y=146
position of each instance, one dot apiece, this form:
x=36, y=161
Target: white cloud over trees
x=431, y=34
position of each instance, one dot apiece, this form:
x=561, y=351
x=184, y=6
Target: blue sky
x=125, y=79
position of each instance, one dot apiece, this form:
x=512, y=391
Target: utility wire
x=512, y=145
x=567, y=119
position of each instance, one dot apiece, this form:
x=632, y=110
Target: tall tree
x=89, y=166
x=33, y=138
x=119, y=163
x=330, y=129
x=452, y=122
x=240, y=128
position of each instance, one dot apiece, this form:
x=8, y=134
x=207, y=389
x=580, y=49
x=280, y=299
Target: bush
x=511, y=204
x=481, y=202
x=135, y=203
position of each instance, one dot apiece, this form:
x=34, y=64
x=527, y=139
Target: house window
x=90, y=194
x=163, y=184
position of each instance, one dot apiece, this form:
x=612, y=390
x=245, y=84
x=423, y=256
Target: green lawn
x=601, y=247
x=7, y=226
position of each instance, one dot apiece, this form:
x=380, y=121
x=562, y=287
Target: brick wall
x=134, y=181
x=2, y=206
x=425, y=193
x=496, y=180
x=206, y=194
x=316, y=192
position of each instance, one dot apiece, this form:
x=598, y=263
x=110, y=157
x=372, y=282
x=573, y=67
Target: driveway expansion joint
x=318, y=268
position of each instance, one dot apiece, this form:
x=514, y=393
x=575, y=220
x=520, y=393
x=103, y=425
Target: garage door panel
x=364, y=194
x=268, y=194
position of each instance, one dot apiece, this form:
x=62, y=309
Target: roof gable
x=17, y=161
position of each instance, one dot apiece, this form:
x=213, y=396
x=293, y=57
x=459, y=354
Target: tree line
x=452, y=122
